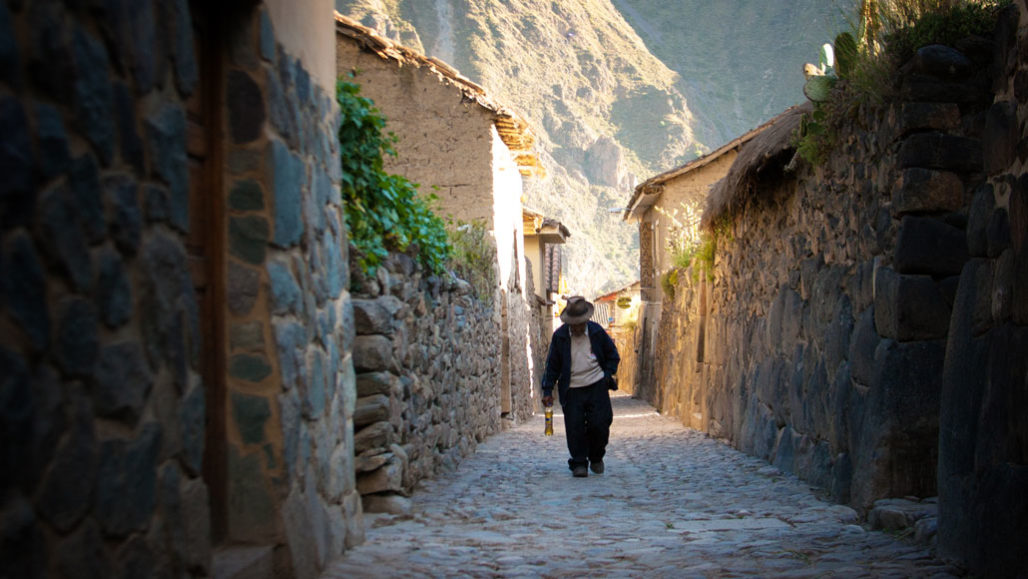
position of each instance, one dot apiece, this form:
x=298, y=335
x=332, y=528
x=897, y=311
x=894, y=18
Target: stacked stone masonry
x=177, y=368
x=291, y=386
x=866, y=326
x=522, y=351
x=102, y=402
x=983, y=437
x=539, y=333
x=427, y=356
x=119, y=202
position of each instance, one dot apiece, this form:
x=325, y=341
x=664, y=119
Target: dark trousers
x=587, y=418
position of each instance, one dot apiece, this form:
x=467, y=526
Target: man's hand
x=548, y=400
x=612, y=382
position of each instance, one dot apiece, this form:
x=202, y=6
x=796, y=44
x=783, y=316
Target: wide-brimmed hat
x=578, y=311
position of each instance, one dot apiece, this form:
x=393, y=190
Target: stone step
x=244, y=562
x=917, y=516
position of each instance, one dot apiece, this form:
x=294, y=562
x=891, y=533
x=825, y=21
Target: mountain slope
x=740, y=62
x=575, y=68
x=607, y=111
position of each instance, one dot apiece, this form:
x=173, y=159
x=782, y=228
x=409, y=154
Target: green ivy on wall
x=383, y=211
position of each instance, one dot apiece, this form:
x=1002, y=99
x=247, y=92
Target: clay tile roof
x=513, y=130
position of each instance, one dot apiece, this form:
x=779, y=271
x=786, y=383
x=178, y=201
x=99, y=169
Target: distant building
x=650, y=205
x=665, y=193
x=619, y=311
x=543, y=238
x=619, y=307
x=544, y=254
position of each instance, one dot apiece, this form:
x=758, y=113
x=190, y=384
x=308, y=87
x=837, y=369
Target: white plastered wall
x=534, y=253
x=508, y=224
x=306, y=30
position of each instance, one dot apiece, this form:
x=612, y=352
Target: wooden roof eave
x=642, y=200
x=513, y=130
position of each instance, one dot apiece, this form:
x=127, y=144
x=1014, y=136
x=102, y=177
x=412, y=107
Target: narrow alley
x=672, y=503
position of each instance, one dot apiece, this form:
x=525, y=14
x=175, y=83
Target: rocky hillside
x=608, y=112
x=739, y=62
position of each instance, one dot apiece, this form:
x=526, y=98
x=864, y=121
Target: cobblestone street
x=672, y=503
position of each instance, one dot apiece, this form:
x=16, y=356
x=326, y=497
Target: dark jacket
x=558, y=361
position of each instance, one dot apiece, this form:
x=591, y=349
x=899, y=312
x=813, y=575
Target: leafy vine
x=383, y=211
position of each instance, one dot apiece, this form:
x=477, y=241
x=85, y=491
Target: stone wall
x=518, y=351
x=427, y=356
x=819, y=345
x=865, y=328
x=983, y=442
x=540, y=330
x=176, y=334
x=539, y=335
x=627, y=342
x=102, y=398
x=290, y=389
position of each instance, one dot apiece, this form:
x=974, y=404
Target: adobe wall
x=445, y=144
x=692, y=187
x=448, y=146
x=866, y=326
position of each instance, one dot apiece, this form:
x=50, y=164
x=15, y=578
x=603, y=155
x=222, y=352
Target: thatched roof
x=771, y=149
x=513, y=130
x=647, y=193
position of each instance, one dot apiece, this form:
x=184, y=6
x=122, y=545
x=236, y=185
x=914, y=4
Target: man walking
x=582, y=362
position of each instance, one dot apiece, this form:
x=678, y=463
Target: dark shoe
x=580, y=471
x=597, y=466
